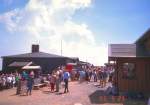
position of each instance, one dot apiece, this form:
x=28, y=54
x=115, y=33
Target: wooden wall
x=141, y=83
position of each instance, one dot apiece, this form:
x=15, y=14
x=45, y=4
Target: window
x=128, y=71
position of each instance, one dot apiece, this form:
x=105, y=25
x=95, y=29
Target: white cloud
x=50, y=21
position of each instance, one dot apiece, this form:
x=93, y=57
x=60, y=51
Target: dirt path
x=79, y=94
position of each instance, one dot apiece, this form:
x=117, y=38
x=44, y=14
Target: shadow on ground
x=95, y=96
x=100, y=97
x=56, y=93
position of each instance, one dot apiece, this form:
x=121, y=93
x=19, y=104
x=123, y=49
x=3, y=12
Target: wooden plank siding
x=138, y=53
x=141, y=83
x=147, y=75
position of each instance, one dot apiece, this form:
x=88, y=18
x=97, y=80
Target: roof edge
x=16, y=55
x=142, y=36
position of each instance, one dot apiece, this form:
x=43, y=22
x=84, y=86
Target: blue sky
x=100, y=22
x=116, y=19
x=7, y=5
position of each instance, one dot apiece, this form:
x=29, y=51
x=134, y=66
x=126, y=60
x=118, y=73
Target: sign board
x=122, y=50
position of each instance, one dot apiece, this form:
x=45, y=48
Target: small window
x=128, y=71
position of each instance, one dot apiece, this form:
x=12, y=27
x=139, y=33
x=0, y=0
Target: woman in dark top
x=30, y=82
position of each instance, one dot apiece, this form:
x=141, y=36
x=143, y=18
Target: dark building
x=132, y=64
x=46, y=61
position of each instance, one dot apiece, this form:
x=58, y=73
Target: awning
x=31, y=67
x=19, y=64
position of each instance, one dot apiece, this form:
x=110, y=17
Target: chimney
x=35, y=48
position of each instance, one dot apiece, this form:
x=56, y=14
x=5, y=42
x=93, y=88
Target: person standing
x=57, y=81
x=30, y=82
x=13, y=81
x=4, y=82
x=8, y=81
x=105, y=77
x=90, y=74
x=66, y=77
x=18, y=84
x=95, y=75
x=87, y=76
x=52, y=82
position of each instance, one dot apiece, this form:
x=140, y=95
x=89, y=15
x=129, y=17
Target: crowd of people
x=7, y=81
x=96, y=74
x=25, y=81
x=88, y=74
x=20, y=80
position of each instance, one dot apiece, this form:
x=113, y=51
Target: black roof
x=35, y=55
x=144, y=36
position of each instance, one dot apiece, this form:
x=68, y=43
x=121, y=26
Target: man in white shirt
x=9, y=79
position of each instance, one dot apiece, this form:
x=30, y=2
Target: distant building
x=132, y=64
x=47, y=62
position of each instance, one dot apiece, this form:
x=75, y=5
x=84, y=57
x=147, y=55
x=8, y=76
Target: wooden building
x=132, y=64
x=46, y=61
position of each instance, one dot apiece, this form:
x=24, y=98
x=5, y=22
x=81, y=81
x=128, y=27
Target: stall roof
x=19, y=64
